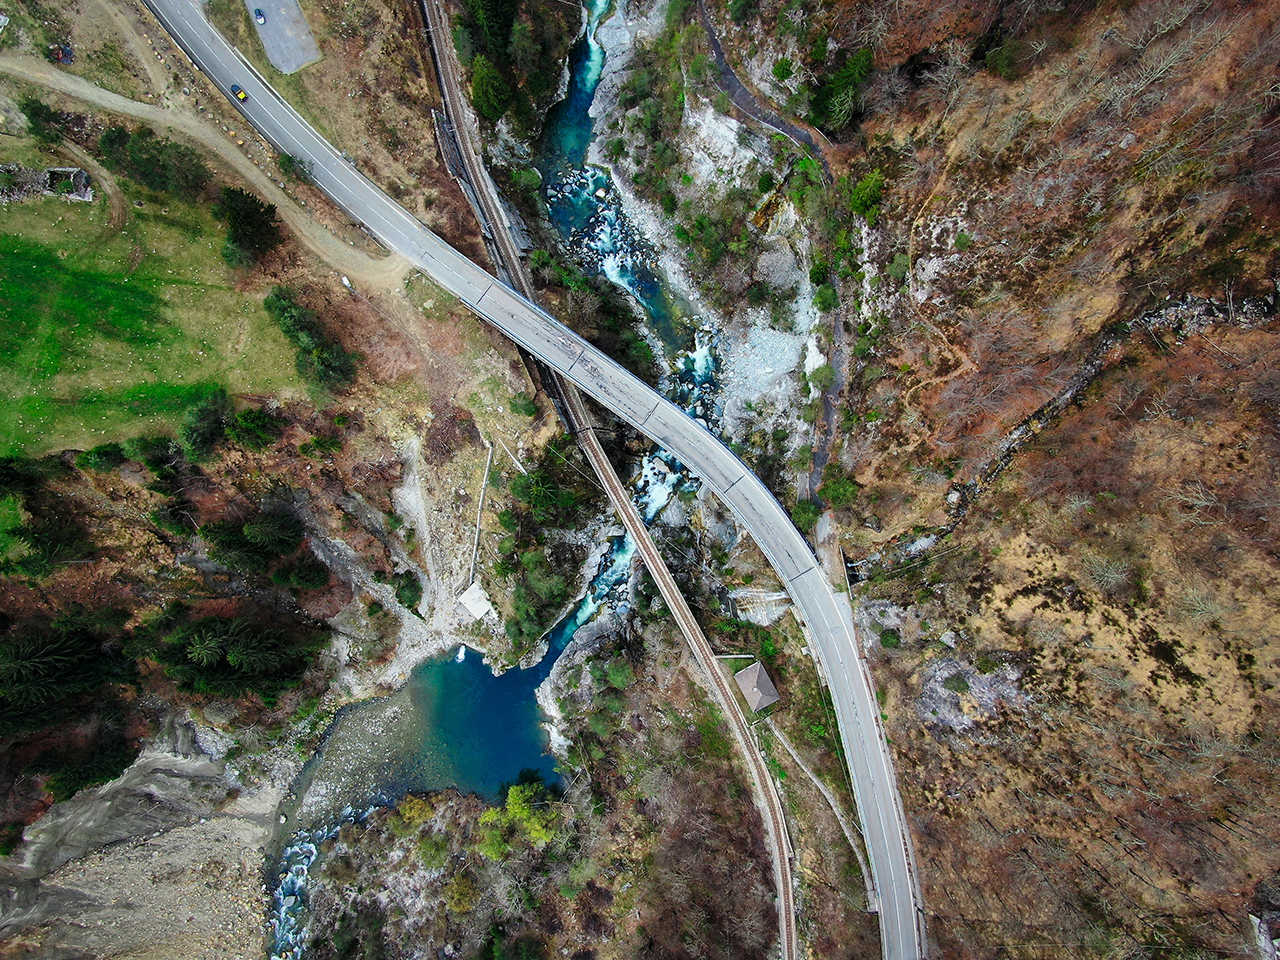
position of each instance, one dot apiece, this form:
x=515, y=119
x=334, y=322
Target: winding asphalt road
x=827, y=615
x=574, y=411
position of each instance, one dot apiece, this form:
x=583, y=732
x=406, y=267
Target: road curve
x=827, y=615
x=569, y=401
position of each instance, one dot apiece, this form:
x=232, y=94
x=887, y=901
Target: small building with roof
x=756, y=687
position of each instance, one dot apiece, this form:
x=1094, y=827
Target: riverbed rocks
x=129, y=866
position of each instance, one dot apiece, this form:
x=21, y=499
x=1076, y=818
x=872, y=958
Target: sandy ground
x=194, y=892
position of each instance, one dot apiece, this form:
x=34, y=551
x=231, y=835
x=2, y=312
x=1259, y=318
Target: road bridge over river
x=826, y=614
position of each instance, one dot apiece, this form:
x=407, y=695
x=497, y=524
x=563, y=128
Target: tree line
x=164, y=166
x=514, y=61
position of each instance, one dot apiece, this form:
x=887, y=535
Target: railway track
x=581, y=425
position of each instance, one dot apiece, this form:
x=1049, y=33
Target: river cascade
x=455, y=724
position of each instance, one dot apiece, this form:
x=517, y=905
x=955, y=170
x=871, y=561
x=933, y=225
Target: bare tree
x=885, y=91
x=944, y=83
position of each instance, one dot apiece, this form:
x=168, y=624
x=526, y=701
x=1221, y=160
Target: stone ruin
x=19, y=183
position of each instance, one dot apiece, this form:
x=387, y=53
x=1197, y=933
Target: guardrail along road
x=826, y=615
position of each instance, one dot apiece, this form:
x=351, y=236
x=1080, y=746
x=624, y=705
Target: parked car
x=238, y=92
x=259, y=16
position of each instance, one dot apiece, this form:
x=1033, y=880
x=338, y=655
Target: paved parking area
x=285, y=36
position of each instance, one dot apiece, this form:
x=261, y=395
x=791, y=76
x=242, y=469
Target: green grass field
x=106, y=333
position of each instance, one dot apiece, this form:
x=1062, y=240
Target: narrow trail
x=751, y=103
x=382, y=273
x=139, y=47
x=119, y=210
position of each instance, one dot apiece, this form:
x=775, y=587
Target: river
x=455, y=724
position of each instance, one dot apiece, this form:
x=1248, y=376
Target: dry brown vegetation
x=1088, y=770
x=1124, y=572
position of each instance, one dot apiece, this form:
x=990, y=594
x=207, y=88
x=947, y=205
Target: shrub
x=433, y=850
x=899, y=266
x=825, y=298
x=864, y=196
x=783, y=70
x=252, y=230
x=838, y=488
x=319, y=358
x=252, y=546
x=758, y=294
x=68, y=775
x=548, y=501
x=408, y=589
x=600, y=724
x=294, y=168
x=1003, y=60
x=956, y=683
x=822, y=377
x=464, y=43
x=619, y=673
x=805, y=514
x=39, y=528
x=490, y=92
x=819, y=272
x=1108, y=574
x=461, y=893
x=742, y=10
x=802, y=459
x=105, y=456
x=255, y=428
x=834, y=101
x=206, y=424
x=276, y=529
x=49, y=668
x=768, y=648
x=766, y=181
x=524, y=404
x=963, y=241
x=230, y=656
x=305, y=573
x=890, y=638
x=154, y=162
x=320, y=445
x=525, y=816
x=175, y=516
x=42, y=120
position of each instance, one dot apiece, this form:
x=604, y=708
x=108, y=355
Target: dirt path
x=141, y=50
x=382, y=273
x=118, y=209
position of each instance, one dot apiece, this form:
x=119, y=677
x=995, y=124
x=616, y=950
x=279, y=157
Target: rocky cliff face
x=378, y=528
x=173, y=833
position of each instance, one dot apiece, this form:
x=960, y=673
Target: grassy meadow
x=111, y=330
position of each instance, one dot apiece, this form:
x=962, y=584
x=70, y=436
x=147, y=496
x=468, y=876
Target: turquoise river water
x=455, y=724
